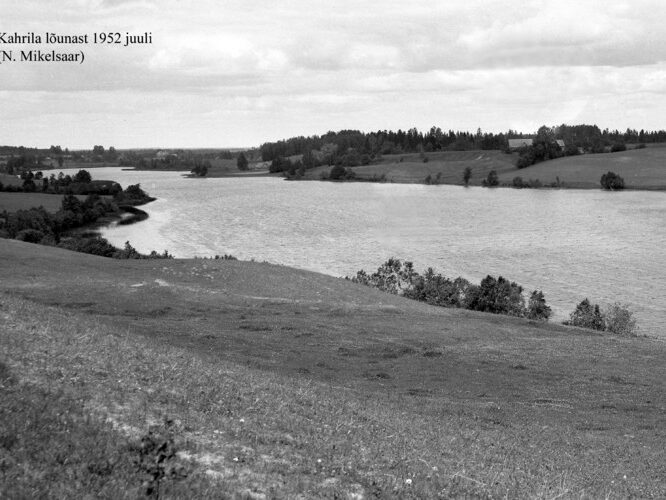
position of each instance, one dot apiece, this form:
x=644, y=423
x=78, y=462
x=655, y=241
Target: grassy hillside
x=279, y=382
x=640, y=168
x=410, y=168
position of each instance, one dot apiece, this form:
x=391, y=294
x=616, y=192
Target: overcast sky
x=238, y=73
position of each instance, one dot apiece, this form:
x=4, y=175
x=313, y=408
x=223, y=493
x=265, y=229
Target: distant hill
x=640, y=168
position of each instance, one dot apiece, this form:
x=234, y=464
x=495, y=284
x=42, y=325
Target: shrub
x=620, y=320
x=83, y=176
x=30, y=235
x=242, y=163
x=587, y=316
x=611, y=181
x=491, y=180
x=94, y=246
x=337, y=172
x=537, y=308
x=438, y=290
x=200, y=168
x=129, y=252
x=467, y=175
x=29, y=186
x=525, y=159
x=497, y=296
x=393, y=276
x=225, y=257
x=617, y=147
x=518, y=182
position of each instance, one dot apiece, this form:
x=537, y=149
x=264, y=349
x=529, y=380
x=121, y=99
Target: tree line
x=328, y=148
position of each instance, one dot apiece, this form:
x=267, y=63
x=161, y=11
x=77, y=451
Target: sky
x=227, y=73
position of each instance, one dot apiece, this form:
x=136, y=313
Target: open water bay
x=572, y=244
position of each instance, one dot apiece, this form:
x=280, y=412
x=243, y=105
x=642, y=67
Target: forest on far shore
x=361, y=147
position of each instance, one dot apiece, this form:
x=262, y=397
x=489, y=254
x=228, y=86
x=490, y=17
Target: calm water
x=572, y=244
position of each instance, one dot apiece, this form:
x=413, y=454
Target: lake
x=572, y=244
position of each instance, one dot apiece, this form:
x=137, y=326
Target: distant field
x=10, y=180
x=23, y=201
x=410, y=168
x=53, y=167
x=640, y=168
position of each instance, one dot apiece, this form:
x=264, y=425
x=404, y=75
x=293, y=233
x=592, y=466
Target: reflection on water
x=572, y=244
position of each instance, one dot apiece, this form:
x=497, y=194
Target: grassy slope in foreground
x=284, y=382
x=640, y=169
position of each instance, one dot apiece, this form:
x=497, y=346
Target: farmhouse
x=515, y=144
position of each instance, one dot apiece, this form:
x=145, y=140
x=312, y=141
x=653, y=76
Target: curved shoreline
x=136, y=215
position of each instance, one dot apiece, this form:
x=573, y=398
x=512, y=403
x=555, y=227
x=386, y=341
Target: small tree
x=29, y=186
x=611, y=181
x=393, y=276
x=242, y=163
x=71, y=203
x=200, y=168
x=467, y=175
x=620, y=320
x=537, y=308
x=518, y=182
x=337, y=172
x=82, y=176
x=492, y=180
x=587, y=316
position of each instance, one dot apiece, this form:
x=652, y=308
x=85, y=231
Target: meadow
x=11, y=202
x=276, y=382
x=640, y=168
x=449, y=165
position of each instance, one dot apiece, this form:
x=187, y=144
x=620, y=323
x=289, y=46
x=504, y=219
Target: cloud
x=310, y=65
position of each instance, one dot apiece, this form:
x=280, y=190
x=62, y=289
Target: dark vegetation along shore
x=220, y=378
x=69, y=220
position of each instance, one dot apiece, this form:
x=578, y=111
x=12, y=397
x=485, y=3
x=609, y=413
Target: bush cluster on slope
x=494, y=295
x=616, y=318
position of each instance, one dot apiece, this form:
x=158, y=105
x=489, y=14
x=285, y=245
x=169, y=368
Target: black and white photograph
x=259, y=250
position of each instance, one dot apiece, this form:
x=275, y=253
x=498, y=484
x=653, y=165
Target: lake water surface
x=572, y=244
